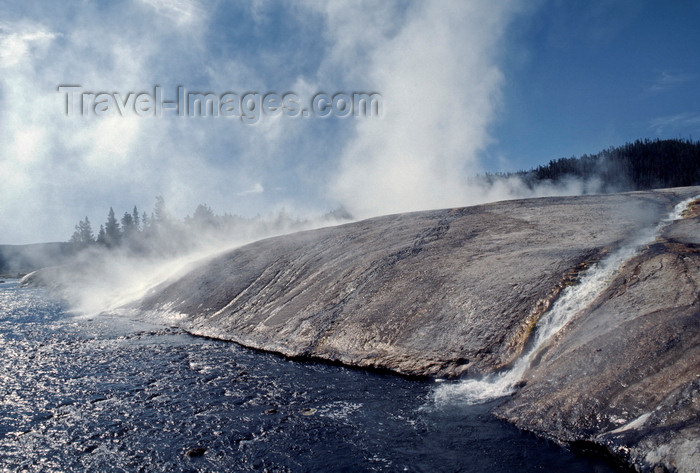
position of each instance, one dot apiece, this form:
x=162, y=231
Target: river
x=111, y=394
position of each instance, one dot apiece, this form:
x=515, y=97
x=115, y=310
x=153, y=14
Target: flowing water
x=111, y=395
x=572, y=300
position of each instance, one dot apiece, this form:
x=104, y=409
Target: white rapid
x=572, y=300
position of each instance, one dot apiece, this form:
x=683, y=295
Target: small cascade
x=572, y=300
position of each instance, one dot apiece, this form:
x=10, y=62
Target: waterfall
x=571, y=301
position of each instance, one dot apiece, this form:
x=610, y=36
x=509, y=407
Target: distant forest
x=159, y=233
x=154, y=235
x=642, y=165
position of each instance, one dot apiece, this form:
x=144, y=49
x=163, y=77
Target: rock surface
x=438, y=293
x=625, y=373
x=457, y=292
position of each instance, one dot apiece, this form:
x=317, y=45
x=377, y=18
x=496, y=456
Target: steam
x=435, y=63
x=441, y=82
x=98, y=280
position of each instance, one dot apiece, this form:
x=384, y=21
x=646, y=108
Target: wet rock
x=89, y=449
x=196, y=452
x=625, y=374
x=437, y=293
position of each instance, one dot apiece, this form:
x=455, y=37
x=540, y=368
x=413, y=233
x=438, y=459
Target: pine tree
x=161, y=212
x=102, y=236
x=83, y=235
x=136, y=218
x=86, y=232
x=112, y=233
x=203, y=217
x=127, y=225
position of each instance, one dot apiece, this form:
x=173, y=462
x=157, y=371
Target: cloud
x=669, y=80
x=257, y=188
x=678, y=121
x=18, y=42
x=182, y=12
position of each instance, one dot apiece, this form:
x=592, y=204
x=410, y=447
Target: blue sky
x=467, y=87
x=582, y=76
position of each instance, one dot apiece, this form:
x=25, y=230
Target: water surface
x=110, y=394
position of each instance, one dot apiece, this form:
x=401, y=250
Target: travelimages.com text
x=249, y=107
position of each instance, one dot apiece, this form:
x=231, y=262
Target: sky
x=465, y=87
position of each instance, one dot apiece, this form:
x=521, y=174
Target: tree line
x=115, y=232
x=159, y=233
x=640, y=165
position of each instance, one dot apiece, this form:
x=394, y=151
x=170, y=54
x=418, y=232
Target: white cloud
x=661, y=125
x=61, y=167
x=17, y=42
x=182, y=12
x=257, y=188
x=669, y=80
